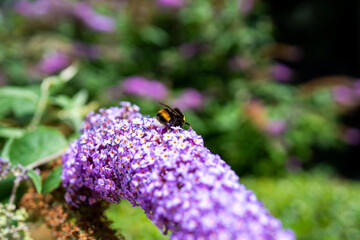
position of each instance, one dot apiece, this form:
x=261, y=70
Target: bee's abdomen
x=163, y=116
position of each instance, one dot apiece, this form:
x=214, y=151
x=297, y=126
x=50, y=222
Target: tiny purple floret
x=179, y=183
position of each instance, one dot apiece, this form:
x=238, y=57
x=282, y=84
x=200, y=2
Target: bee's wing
x=178, y=112
x=171, y=109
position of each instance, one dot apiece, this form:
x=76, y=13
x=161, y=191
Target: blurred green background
x=236, y=69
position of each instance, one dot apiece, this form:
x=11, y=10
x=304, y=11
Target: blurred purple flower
x=190, y=49
x=281, y=72
x=189, y=99
x=171, y=3
x=87, y=51
x=83, y=11
x=357, y=88
x=143, y=87
x=246, y=6
x=179, y=183
x=352, y=136
x=32, y=8
x=238, y=64
x=41, y=8
x=343, y=94
x=92, y=19
x=54, y=63
x=276, y=127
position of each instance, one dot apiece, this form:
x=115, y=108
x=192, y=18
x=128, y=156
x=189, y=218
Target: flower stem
x=44, y=95
x=32, y=166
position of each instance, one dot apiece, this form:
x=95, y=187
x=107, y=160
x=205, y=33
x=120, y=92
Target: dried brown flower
x=66, y=222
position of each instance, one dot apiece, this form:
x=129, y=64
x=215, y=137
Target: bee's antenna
x=188, y=124
x=165, y=105
x=170, y=108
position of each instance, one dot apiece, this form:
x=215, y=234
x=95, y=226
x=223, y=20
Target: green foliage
x=132, y=222
x=11, y=132
x=316, y=207
x=36, y=179
x=18, y=100
x=36, y=145
x=72, y=108
x=6, y=186
x=211, y=46
x=52, y=181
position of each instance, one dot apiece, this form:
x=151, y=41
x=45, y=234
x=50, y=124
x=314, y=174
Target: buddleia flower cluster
x=167, y=171
x=12, y=223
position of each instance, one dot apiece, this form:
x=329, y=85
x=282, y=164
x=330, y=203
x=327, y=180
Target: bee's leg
x=165, y=129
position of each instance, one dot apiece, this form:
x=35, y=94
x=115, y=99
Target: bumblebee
x=171, y=116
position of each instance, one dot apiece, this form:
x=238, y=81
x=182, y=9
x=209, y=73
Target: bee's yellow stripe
x=165, y=114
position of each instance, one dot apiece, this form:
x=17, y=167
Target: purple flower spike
x=32, y=9
x=54, y=63
x=281, y=72
x=92, y=19
x=143, y=87
x=357, y=88
x=86, y=51
x=189, y=99
x=42, y=8
x=276, y=127
x=246, y=6
x=171, y=3
x=179, y=183
x=343, y=94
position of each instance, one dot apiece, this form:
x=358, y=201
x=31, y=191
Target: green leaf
x=52, y=181
x=36, y=145
x=35, y=178
x=6, y=186
x=61, y=100
x=80, y=98
x=154, y=35
x=6, y=149
x=68, y=73
x=19, y=100
x=72, y=108
x=11, y=132
x=18, y=92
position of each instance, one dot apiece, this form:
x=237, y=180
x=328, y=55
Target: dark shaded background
x=327, y=33
x=324, y=30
